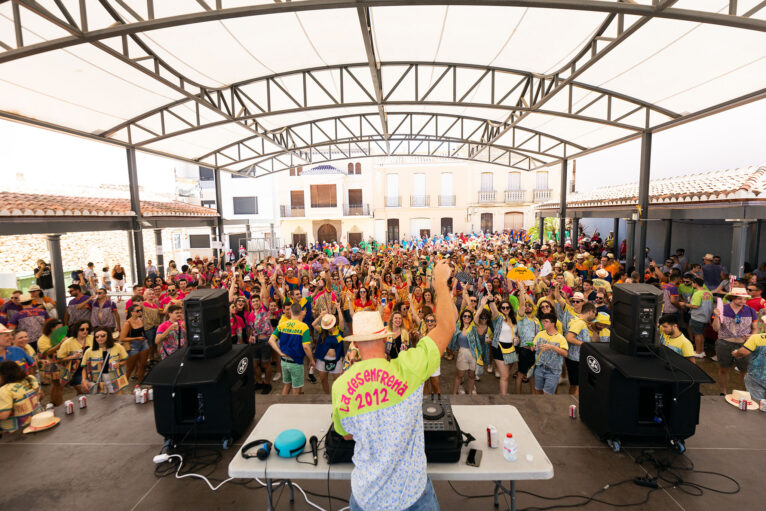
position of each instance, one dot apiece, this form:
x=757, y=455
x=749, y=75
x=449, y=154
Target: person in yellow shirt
x=577, y=334
x=71, y=351
x=674, y=339
x=600, y=327
x=106, y=359
x=755, y=380
x=19, y=397
x=552, y=349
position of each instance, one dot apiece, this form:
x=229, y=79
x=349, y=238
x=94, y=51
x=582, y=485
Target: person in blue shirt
x=14, y=354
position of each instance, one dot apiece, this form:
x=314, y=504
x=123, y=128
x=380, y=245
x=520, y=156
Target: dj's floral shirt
x=380, y=402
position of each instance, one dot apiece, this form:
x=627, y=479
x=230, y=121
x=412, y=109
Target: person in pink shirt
x=237, y=325
x=171, y=335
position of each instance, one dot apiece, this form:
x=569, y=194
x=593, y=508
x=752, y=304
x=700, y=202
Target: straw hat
x=603, y=318
x=46, y=420
x=34, y=287
x=368, y=326
x=26, y=297
x=4, y=329
x=601, y=272
x=733, y=399
x=736, y=292
x=578, y=296
x=328, y=321
x=708, y=256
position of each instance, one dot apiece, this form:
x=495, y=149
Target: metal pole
x=630, y=242
x=135, y=204
x=219, y=219
x=542, y=229
x=57, y=271
x=132, y=252
x=643, y=199
x=616, y=244
x=563, y=203
x=160, y=256
x=273, y=241
x=668, y=237
x=739, y=248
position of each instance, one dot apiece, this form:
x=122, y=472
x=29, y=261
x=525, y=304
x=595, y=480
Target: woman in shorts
x=329, y=351
x=465, y=342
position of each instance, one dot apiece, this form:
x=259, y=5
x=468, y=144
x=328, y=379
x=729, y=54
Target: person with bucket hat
x=19, y=397
x=378, y=403
x=734, y=324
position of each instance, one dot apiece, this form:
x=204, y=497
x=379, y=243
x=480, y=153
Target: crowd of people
x=523, y=312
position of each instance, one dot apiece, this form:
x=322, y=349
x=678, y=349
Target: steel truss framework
x=372, y=86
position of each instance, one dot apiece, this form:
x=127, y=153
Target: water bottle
x=510, y=449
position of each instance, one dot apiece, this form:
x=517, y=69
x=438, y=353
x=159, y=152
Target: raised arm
x=445, y=308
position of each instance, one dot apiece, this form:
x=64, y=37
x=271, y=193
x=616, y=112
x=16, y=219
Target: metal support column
x=630, y=243
x=668, y=237
x=273, y=240
x=219, y=220
x=754, y=237
x=135, y=204
x=132, y=252
x=160, y=257
x=541, y=227
x=739, y=248
x=57, y=272
x=643, y=199
x=563, y=204
x=616, y=244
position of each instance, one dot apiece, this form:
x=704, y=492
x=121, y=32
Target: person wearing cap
x=600, y=327
x=673, y=339
x=9, y=352
x=41, y=301
x=19, y=397
x=329, y=351
x=379, y=404
x=734, y=324
x=755, y=379
x=578, y=333
x=291, y=340
x=29, y=318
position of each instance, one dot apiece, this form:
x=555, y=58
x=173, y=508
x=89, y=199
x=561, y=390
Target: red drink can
x=69, y=407
x=572, y=411
x=83, y=401
x=743, y=404
x=144, y=395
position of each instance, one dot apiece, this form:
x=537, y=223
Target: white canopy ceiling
x=258, y=86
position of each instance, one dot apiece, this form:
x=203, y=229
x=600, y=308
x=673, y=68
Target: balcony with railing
x=515, y=196
x=446, y=200
x=541, y=194
x=292, y=211
x=420, y=201
x=486, y=196
x=356, y=210
x=393, y=201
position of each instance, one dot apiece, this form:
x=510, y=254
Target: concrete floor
x=100, y=457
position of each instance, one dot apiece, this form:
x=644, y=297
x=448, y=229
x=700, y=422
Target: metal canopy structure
x=259, y=86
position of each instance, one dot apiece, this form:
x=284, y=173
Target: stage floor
x=101, y=457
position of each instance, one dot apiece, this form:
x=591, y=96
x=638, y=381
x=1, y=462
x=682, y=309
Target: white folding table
x=313, y=419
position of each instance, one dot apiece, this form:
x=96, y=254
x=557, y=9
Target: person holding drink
x=104, y=364
x=70, y=353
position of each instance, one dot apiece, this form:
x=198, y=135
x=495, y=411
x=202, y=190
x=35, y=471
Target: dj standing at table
x=379, y=404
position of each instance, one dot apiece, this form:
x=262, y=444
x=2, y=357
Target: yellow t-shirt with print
x=680, y=345
x=70, y=345
x=22, y=400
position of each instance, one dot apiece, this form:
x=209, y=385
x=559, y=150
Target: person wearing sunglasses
x=503, y=346
x=70, y=353
x=431, y=386
x=734, y=324
x=756, y=302
x=103, y=311
x=469, y=353
x=104, y=364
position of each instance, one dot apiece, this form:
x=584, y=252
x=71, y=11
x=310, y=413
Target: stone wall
x=19, y=253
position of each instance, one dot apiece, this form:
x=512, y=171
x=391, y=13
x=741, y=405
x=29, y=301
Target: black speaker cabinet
x=654, y=399
x=208, y=397
x=208, y=332
x=636, y=308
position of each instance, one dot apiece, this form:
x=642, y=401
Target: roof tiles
x=30, y=204
x=732, y=184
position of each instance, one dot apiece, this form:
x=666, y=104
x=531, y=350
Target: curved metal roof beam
x=217, y=12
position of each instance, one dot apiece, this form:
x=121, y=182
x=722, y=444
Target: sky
x=727, y=140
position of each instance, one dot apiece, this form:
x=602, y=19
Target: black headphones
x=261, y=453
